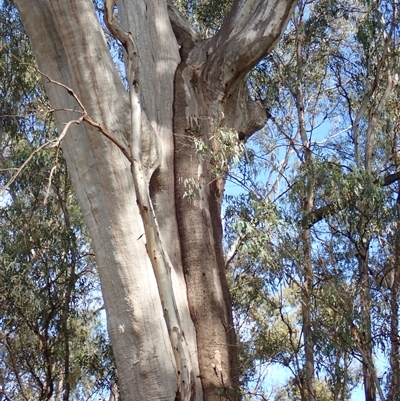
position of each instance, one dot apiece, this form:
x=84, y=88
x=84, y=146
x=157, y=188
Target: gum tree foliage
x=320, y=270
x=52, y=342
x=131, y=144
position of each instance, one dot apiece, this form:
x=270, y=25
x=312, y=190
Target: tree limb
x=185, y=34
x=248, y=34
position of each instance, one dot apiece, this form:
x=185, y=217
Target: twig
x=17, y=173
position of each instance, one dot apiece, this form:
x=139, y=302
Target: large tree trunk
x=188, y=87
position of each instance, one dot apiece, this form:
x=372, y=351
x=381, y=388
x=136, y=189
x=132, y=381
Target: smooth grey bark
x=187, y=86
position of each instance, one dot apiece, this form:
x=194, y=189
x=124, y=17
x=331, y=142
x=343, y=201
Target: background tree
x=344, y=53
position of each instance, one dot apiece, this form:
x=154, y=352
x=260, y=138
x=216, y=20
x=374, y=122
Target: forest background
x=311, y=218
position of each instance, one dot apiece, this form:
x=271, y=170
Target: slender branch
x=18, y=375
x=24, y=164
x=67, y=88
x=319, y=214
x=56, y=142
x=233, y=250
x=85, y=117
x=52, y=171
x=66, y=386
x=364, y=105
x=103, y=131
x=375, y=115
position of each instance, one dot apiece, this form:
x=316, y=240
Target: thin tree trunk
x=306, y=314
x=307, y=205
x=364, y=334
x=394, y=394
x=393, y=284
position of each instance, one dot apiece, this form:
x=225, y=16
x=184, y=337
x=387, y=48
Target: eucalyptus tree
x=296, y=89
x=130, y=152
x=370, y=94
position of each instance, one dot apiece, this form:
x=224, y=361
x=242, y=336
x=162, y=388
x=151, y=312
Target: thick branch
x=390, y=179
x=185, y=34
x=248, y=116
x=317, y=215
x=249, y=33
